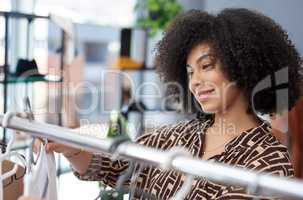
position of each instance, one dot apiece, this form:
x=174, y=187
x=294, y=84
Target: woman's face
x=211, y=88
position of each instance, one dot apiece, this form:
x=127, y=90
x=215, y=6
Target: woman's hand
x=79, y=159
x=67, y=151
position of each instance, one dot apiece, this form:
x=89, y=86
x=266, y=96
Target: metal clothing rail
x=267, y=185
x=22, y=15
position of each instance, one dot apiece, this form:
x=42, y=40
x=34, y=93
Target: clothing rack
x=265, y=184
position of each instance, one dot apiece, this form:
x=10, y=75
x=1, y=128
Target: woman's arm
x=78, y=159
x=90, y=166
x=28, y=198
x=95, y=166
x=273, y=159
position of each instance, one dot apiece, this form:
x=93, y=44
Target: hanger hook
x=184, y=190
x=5, y=123
x=115, y=144
x=167, y=164
x=171, y=155
x=7, y=117
x=254, y=189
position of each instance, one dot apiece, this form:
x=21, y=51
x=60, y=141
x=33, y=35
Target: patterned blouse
x=254, y=149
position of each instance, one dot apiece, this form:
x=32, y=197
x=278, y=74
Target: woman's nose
x=196, y=80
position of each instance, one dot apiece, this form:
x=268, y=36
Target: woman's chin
x=209, y=108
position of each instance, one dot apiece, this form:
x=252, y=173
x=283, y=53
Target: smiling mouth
x=206, y=94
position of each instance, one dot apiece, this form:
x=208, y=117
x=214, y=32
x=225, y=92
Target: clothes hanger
x=113, y=150
x=254, y=189
x=8, y=154
x=28, y=161
x=14, y=176
x=9, y=173
x=185, y=189
x=167, y=165
x=129, y=174
x=125, y=176
x=31, y=161
x=30, y=115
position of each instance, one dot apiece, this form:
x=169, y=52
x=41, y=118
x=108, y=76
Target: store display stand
x=7, y=79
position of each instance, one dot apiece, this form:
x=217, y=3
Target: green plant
x=158, y=14
x=117, y=125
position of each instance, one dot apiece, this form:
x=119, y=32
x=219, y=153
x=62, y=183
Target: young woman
x=234, y=63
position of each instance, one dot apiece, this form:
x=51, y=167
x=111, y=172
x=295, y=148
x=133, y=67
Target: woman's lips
x=205, y=94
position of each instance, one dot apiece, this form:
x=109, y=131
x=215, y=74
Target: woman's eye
x=207, y=66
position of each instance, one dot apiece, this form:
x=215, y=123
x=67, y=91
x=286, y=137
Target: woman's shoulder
x=258, y=138
x=263, y=152
x=265, y=139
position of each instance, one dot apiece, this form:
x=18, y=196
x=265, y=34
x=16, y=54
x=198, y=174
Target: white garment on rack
x=41, y=180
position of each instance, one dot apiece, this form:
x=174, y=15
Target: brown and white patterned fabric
x=254, y=149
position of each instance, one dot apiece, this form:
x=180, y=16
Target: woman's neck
x=227, y=125
x=233, y=121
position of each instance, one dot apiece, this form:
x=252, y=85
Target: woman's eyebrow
x=203, y=56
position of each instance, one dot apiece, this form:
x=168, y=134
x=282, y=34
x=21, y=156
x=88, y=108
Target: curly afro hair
x=252, y=48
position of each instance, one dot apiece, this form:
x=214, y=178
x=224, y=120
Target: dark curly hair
x=250, y=46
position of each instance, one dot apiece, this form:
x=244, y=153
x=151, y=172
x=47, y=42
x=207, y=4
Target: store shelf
x=12, y=80
x=22, y=15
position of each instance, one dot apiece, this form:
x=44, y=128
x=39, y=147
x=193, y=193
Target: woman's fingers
x=36, y=145
x=59, y=148
x=51, y=146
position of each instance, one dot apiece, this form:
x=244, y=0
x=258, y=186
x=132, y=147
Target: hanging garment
x=41, y=180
